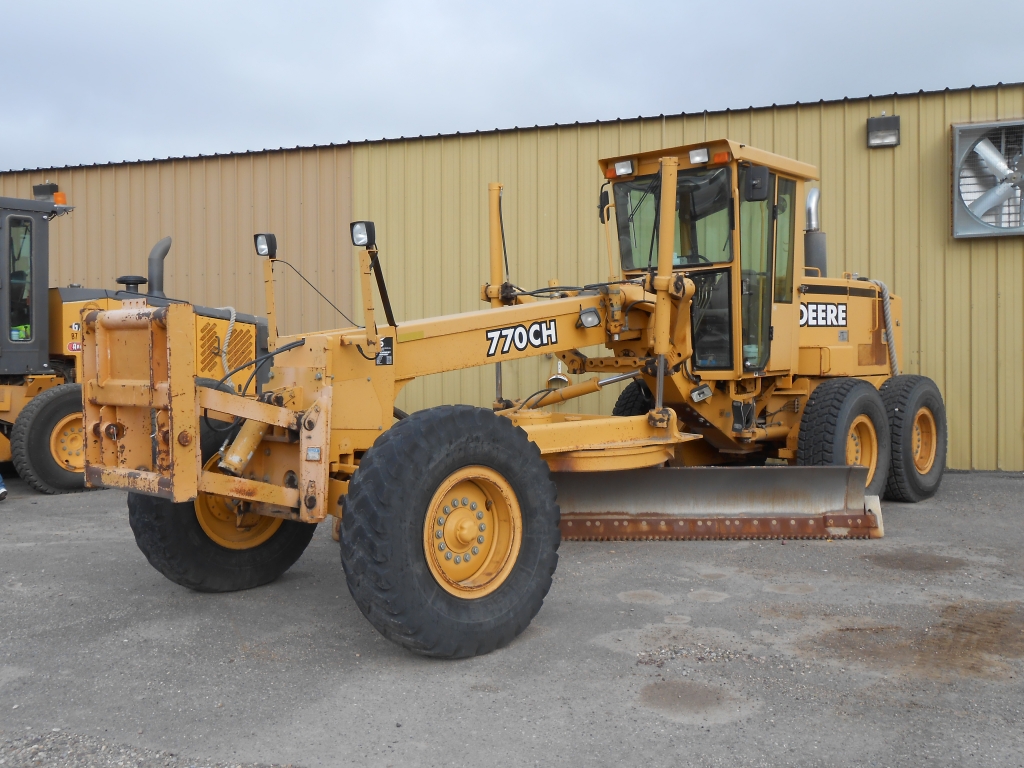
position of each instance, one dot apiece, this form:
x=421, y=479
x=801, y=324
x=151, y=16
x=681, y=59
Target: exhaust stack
x=156, y=267
x=815, y=252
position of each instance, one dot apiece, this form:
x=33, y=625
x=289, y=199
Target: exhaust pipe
x=815, y=255
x=156, y=267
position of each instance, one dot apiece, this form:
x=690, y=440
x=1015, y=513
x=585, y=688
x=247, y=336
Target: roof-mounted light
x=698, y=156
x=624, y=168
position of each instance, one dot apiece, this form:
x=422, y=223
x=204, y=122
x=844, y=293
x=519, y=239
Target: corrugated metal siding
x=211, y=207
x=886, y=212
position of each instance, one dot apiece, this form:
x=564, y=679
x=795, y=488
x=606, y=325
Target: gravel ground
x=905, y=651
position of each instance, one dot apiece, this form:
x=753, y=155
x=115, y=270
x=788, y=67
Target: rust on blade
x=598, y=527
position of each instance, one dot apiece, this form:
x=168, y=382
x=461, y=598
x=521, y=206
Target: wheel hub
x=67, y=443
x=472, y=532
x=925, y=444
x=862, y=445
x=219, y=517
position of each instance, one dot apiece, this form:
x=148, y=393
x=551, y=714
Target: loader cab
x=24, y=282
x=735, y=238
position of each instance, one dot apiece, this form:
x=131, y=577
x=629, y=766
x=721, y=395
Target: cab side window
x=785, y=233
x=20, y=278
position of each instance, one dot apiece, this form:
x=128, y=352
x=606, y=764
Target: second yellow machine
x=742, y=353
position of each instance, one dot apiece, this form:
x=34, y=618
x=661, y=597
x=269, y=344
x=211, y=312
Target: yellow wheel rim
x=472, y=532
x=925, y=443
x=67, y=443
x=862, y=445
x=218, y=517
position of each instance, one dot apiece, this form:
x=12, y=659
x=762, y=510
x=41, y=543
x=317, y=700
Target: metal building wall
x=886, y=212
x=210, y=206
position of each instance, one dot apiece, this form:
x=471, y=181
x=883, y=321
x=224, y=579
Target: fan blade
x=994, y=197
x=993, y=159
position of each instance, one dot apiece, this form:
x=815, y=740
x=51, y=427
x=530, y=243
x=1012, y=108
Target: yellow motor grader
x=41, y=343
x=741, y=354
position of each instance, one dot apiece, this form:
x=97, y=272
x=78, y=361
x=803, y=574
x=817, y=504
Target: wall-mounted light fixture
x=883, y=131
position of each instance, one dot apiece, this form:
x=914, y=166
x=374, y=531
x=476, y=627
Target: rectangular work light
x=624, y=168
x=698, y=156
x=883, y=131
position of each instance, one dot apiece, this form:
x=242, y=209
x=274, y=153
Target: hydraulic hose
x=890, y=338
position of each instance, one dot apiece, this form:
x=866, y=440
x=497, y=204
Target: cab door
x=24, y=316
x=755, y=277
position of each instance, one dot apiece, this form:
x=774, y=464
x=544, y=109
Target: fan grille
x=976, y=179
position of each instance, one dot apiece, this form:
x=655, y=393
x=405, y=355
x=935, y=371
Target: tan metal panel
x=886, y=213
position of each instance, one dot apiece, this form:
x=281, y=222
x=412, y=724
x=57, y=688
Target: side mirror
x=755, y=184
x=363, y=235
x=602, y=204
x=266, y=245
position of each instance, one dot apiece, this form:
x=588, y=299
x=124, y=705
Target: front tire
x=193, y=544
x=844, y=423
x=634, y=400
x=47, y=441
x=917, y=423
x=439, y=485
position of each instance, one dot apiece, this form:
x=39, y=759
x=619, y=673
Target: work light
x=589, y=318
x=624, y=168
x=698, y=156
x=363, y=234
x=266, y=245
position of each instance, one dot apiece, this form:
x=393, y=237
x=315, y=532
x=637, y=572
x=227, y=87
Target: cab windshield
x=703, y=227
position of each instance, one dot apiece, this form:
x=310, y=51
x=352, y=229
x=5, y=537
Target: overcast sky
x=93, y=82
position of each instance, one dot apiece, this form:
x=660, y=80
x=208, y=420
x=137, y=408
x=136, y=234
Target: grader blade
x=718, y=503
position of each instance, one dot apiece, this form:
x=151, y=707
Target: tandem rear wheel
x=449, y=535
x=845, y=423
x=198, y=544
x=917, y=422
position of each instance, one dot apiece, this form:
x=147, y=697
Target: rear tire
x=176, y=544
x=634, y=400
x=392, y=560
x=917, y=424
x=39, y=455
x=844, y=418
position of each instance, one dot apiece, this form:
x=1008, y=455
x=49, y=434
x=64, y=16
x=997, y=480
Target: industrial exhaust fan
x=988, y=172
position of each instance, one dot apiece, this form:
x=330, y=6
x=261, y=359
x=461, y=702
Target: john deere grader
x=741, y=354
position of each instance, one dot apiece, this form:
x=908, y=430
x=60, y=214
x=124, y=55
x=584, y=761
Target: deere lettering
x=822, y=315
x=520, y=336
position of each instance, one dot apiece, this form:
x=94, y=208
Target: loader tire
x=47, y=445
x=634, y=400
x=917, y=425
x=421, y=472
x=845, y=419
x=174, y=541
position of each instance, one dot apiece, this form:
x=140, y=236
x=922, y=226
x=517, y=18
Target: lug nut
x=479, y=515
x=440, y=521
x=455, y=502
x=447, y=555
x=458, y=559
x=438, y=534
x=446, y=510
x=479, y=539
x=483, y=527
x=465, y=501
x=476, y=550
x=473, y=505
x=466, y=557
x=441, y=547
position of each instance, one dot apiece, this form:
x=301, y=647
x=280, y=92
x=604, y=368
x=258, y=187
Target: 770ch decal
x=539, y=334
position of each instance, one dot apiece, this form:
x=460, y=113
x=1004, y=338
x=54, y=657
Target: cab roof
x=648, y=162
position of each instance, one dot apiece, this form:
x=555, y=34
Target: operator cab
x=24, y=280
x=741, y=265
